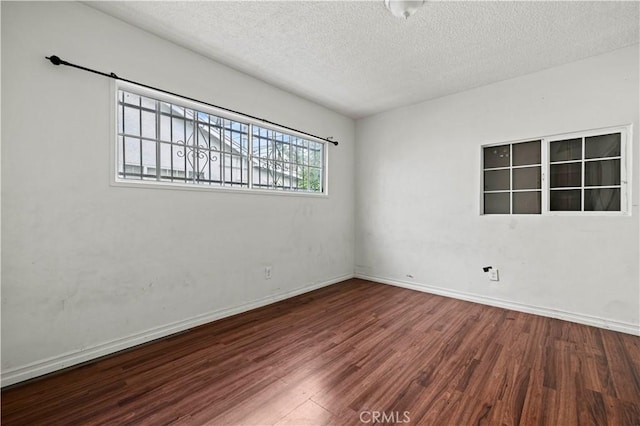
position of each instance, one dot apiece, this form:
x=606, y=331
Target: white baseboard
x=49, y=365
x=608, y=324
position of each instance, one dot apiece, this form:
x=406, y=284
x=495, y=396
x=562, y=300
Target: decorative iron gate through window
x=167, y=142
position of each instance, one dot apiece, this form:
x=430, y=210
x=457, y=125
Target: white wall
x=89, y=268
x=418, y=191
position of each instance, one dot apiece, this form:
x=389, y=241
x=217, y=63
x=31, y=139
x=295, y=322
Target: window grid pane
x=565, y=150
x=162, y=141
x=602, y=146
x=497, y=203
x=527, y=202
x=566, y=200
x=512, y=178
x=527, y=178
x=526, y=153
x=585, y=173
x=496, y=180
x=602, y=199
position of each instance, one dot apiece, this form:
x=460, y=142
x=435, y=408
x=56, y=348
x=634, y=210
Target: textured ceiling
x=356, y=58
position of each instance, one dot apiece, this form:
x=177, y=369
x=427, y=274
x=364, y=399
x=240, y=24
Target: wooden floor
x=350, y=354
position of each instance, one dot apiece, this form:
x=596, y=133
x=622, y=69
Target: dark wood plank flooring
x=339, y=354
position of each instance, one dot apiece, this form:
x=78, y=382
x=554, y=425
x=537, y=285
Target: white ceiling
x=356, y=58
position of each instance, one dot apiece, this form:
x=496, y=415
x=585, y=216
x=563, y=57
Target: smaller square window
x=579, y=172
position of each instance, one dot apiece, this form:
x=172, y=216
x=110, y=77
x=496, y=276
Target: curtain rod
x=55, y=60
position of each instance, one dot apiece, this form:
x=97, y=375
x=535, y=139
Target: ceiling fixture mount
x=403, y=8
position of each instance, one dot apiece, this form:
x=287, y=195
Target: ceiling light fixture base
x=403, y=8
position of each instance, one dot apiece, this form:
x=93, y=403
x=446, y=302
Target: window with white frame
x=584, y=172
x=164, y=140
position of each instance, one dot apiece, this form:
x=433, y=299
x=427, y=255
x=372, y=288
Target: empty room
x=320, y=213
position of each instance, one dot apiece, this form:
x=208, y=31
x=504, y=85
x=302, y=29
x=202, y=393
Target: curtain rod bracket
x=54, y=59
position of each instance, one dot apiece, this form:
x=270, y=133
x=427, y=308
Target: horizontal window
x=581, y=172
x=170, y=142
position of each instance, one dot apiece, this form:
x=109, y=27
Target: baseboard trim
x=69, y=359
x=623, y=327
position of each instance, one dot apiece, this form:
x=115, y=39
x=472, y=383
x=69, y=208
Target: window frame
x=118, y=181
x=626, y=161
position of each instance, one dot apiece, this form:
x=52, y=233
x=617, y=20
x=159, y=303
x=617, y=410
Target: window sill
x=192, y=187
x=562, y=214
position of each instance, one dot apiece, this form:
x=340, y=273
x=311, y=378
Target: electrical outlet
x=267, y=272
x=493, y=275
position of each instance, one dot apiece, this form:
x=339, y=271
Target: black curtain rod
x=55, y=60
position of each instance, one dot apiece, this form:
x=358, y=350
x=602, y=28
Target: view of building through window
x=168, y=142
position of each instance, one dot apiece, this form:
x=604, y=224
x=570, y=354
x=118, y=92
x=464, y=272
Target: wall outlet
x=493, y=275
x=267, y=272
